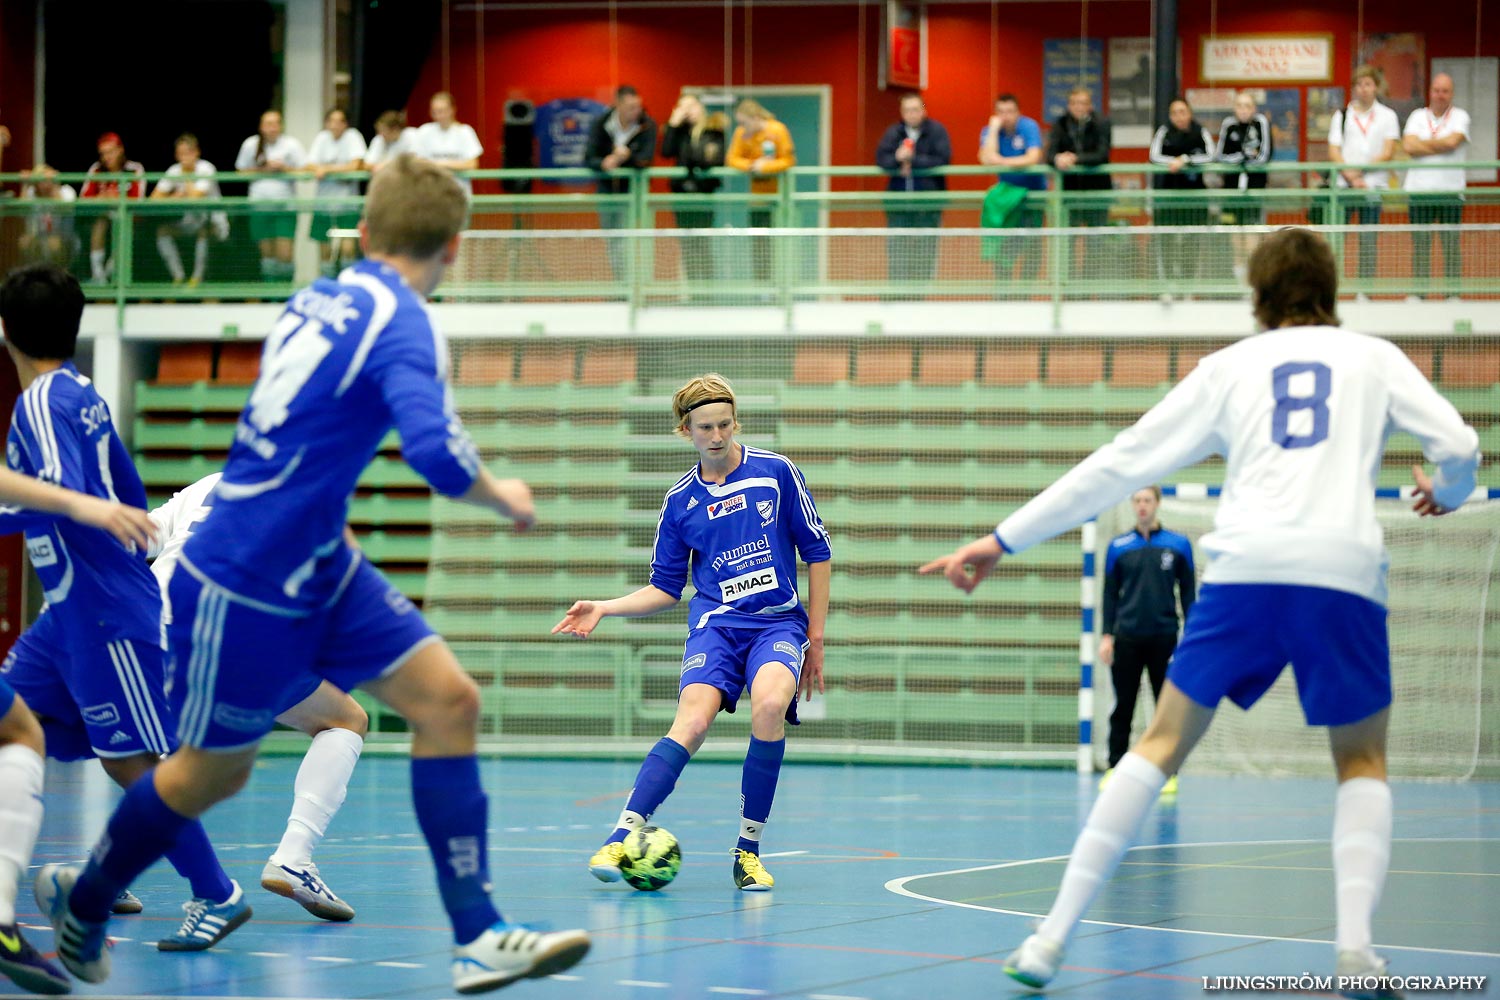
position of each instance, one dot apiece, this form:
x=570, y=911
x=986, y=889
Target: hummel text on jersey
x=734, y=503
x=751, y=583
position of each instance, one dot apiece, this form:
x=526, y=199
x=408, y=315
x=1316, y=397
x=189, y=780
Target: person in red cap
x=111, y=161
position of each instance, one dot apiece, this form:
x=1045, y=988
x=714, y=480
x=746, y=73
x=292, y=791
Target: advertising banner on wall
x=903, y=53
x=1069, y=63
x=1266, y=58
x=562, y=130
x=1131, y=62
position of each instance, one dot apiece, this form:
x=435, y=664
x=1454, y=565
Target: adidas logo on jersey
x=692, y=502
x=723, y=507
x=118, y=738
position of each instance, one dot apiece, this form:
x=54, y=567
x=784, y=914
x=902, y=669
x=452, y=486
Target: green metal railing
x=845, y=198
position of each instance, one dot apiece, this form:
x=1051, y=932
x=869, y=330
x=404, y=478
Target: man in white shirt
x=1363, y=133
x=1437, y=134
x=392, y=138
x=197, y=225
x=448, y=142
x=337, y=149
x=1297, y=572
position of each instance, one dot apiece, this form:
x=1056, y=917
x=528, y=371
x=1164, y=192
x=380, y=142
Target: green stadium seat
x=504, y=548
x=198, y=397
x=192, y=435
x=382, y=509
x=560, y=586
x=564, y=398
x=385, y=547
x=557, y=436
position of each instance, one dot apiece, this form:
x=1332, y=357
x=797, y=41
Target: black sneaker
x=26, y=967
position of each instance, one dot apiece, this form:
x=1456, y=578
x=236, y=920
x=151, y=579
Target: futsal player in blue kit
x=737, y=522
x=90, y=666
x=1297, y=571
x=268, y=596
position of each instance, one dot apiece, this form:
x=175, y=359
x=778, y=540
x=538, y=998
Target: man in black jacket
x=1079, y=142
x=915, y=143
x=623, y=138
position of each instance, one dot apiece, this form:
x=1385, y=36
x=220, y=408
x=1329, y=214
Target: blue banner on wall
x=562, y=130
x=1284, y=108
x=1069, y=63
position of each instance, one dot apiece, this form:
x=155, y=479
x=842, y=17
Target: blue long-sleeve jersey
x=347, y=360
x=740, y=541
x=61, y=432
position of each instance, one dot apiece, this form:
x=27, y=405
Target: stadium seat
x=1471, y=366
x=1075, y=364
x=184, y=364
x=882, y=364
x=239, y=364
x=1140, y=365
x=1011, y=364
x=490, y=364
x=606, y=363
x=1188, y=356
x=952, y=365
x=1422, y=354
x=545, y=364
x=820, y=364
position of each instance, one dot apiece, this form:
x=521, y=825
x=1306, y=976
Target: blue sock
x=453, y=812
x=757, y=789
x=194, y=858
x=142, y=829
x=653, y=783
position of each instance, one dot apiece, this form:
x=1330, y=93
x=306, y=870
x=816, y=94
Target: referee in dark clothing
x=1141, y=570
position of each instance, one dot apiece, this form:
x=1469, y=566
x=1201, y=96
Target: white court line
x=736, y=991
x=565, y=979
x=269, y=954
x=642, y=983
x=831, y=996
x=335, y=959
x=898, y=886
x=401, y=965
x=783, y=854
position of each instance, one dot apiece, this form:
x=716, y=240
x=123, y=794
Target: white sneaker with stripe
x=508, y=952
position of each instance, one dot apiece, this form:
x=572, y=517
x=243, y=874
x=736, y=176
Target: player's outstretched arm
x=818, y=575
x=510, y=498
x=967, y=567
x=584, y=616
x=130, y=525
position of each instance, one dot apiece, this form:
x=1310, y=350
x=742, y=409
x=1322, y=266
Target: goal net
x=1444, y=640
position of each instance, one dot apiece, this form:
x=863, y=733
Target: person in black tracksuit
x=1180, y=146
x=1080, y=142
x=1245, y=140
x=695, y=138
x=623, y=138
x=914, y=143
x=1141, y=570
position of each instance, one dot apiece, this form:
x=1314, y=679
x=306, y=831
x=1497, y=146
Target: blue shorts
x=104, y=701
x=729, y=658
x=236, y=666
x=1240, y=636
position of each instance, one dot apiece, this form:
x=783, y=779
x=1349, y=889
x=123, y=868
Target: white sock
x=322, y=782
x=96, y=264
x=200, y=257
x=630, y=821
x=167, y=247
x=1112, y=825
x=20, y=819
x=1361, y=856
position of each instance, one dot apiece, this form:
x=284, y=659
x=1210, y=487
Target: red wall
x=17, y=81
x=570, y=51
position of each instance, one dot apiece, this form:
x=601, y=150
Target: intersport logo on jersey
x=723, y=507
x=751, y=583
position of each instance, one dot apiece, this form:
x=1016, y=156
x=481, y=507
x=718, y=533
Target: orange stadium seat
x=952, y=365
x=1471, y=366
x=1075, y=364
x=239, y=364
x=1422, y=355
x=820, y=364
x=184, y=364
x=487, y=365
x=545, y=364
x=1140, y=365
x=1188, y=356
x=882, y=364
x=1011, y=364
x=606, y=363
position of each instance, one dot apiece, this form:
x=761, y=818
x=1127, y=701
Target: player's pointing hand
x=128, y=524
x=967, y=567
x=581, y=619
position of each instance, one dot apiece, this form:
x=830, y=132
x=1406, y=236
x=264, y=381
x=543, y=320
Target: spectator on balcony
x=1080, y=141
x=915, y=143
x=1366, y=132
x=4, y=141
x=111, y=161
x=1438, y=133
x=392, y=138
x=1180, y=146
x=448, y=142
x=621, y=139
x=337, y=149
x=1245, y=141
x=1012, y=140
x=696, y=139
x=762, y=147
x=196, y=225
x=274, y=154
x=49, y=237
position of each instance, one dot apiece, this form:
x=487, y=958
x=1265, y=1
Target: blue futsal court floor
x=892, y=884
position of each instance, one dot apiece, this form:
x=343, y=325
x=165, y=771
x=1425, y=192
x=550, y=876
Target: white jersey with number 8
x=1301, y=416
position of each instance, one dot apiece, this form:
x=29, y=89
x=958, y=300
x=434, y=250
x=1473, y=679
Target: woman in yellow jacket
x=762, y=147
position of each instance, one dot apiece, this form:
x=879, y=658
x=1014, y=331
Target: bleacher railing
x=636, y=232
